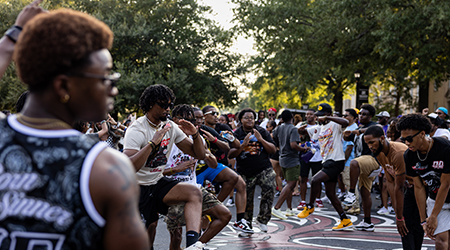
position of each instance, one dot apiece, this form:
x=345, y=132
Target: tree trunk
x=338, y=96
x=423, y=95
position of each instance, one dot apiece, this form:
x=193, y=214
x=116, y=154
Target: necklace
x=42, y=123
x=428, y=151
x=151, y=123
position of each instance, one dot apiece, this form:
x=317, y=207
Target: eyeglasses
x=165, y=105
x=344, y=115
x=213, y=113
x=409, y=138
x=112, y=79
x=248, y=118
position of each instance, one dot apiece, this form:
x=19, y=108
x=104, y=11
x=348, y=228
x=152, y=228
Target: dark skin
x=330, y=187
x=211, y=121
x=396, y=182
x=422, y=143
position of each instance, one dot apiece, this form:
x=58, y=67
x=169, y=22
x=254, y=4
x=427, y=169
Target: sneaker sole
x=340, y=229
x=365, y=229
x=304, y=217
x=245, y=235
x=280, y=217
x=244, y=231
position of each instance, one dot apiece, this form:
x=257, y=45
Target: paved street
x=311, y=233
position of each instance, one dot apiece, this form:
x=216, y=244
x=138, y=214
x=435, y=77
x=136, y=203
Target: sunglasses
x=165, y=105
x=439, y=113
x=409, y=138
x=111, y=79
x=272, y=114
x=213, y=113
x=344, y=115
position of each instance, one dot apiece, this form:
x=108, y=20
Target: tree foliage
x=157, y=41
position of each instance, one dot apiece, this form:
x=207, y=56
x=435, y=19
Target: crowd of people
x=74, y=177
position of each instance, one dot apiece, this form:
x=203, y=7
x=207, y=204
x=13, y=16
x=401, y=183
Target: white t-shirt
x=330, y=140
x=442, y=132
x=314, y=144
x=137, y=137
x=176, y=157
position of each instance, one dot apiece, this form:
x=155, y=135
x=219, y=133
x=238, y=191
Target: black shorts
x=276, y=156
x=313, y=166
x=151, y=200
x=333, y=169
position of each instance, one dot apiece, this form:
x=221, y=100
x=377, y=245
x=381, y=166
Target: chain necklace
x=42, y=123
x=151, y=123
x=428, y=151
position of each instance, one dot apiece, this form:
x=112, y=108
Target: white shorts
x=443, y=217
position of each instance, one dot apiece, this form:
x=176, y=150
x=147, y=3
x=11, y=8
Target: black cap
x=323, y=109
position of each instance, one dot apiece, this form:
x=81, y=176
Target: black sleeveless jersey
x=45, y=201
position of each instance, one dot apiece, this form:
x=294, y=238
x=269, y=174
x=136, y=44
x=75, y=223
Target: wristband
x=195, y=136
x=402, y=219
x=13, y=33
x=103, y=122
x=423, y=223
x=215, y=140
x=152, y=144
x=171, y=170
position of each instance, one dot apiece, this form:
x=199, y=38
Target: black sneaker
x=243, y=226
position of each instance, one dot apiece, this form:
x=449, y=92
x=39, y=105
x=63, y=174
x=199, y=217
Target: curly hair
x=414, y=122
x=57, y=42
x=375, y=131
x=369, y=108
x=242, y=112
x=153, y=94
x=183, y=110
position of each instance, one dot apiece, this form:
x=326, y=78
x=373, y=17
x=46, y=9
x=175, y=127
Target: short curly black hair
x=153, y=94
x=414, y=122
x=375, y=131
x=243, y=111
x=55, y=43
x=369, y=108
x=183, y=110
x=207, y=108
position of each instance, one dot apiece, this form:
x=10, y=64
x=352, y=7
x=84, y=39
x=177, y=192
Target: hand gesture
x=425, y=111
x=246, y=140
x=257, y=135
x=187, y=127
x=29, y=12
x=321, y=119
x=208, y=136
x=347, y=133
x=401, y=228
x=185, y=165
x=157, y=137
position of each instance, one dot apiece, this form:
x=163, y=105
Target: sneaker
x=308, y=185
x=350, y=199
x=197, y=246
x=243, y=226
x=341, y=196
x=277, y=213
x=289, y=212
x=391, y=210
x=306, y=212
x=319, y=203
x=325, y=199
x=345, y=223
x=383, y=211
x=261, y=226
x=363, y=226
x=230, y=203
x=354, y=210
x=277, y=194
x=301, y=205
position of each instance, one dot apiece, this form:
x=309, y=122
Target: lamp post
x=362, y=91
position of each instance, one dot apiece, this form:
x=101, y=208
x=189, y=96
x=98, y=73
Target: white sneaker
x=289, y=212
x=277, y=213
x=391, y=210
x=197, y=246
x=261, y=226
x=350, y=199
x=308, y=185
x=383, y=211
x=243, y=226
x=325, y=199
x=230, y=203
x=363, y=226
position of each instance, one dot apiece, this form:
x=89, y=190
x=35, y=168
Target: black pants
x=413, y=240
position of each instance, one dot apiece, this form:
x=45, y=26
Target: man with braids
x=223, y=175
x=74, y=193
x=390, y=156
x=181, y=167
x=427, y=161
x=148, y=142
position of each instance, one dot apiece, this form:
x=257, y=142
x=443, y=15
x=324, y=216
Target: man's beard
x=380, y=148
x=163, y=118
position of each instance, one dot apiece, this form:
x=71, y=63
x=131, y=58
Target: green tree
x=159, y=41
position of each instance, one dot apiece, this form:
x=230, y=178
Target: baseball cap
x=323, y=109
x=433, y=115
x=383, y=114
x=443, y=110
x=272, y=109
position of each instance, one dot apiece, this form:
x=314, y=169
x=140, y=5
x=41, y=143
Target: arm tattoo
x=126, y=177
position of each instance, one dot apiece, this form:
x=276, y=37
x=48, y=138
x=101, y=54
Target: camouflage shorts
x=175, y=215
